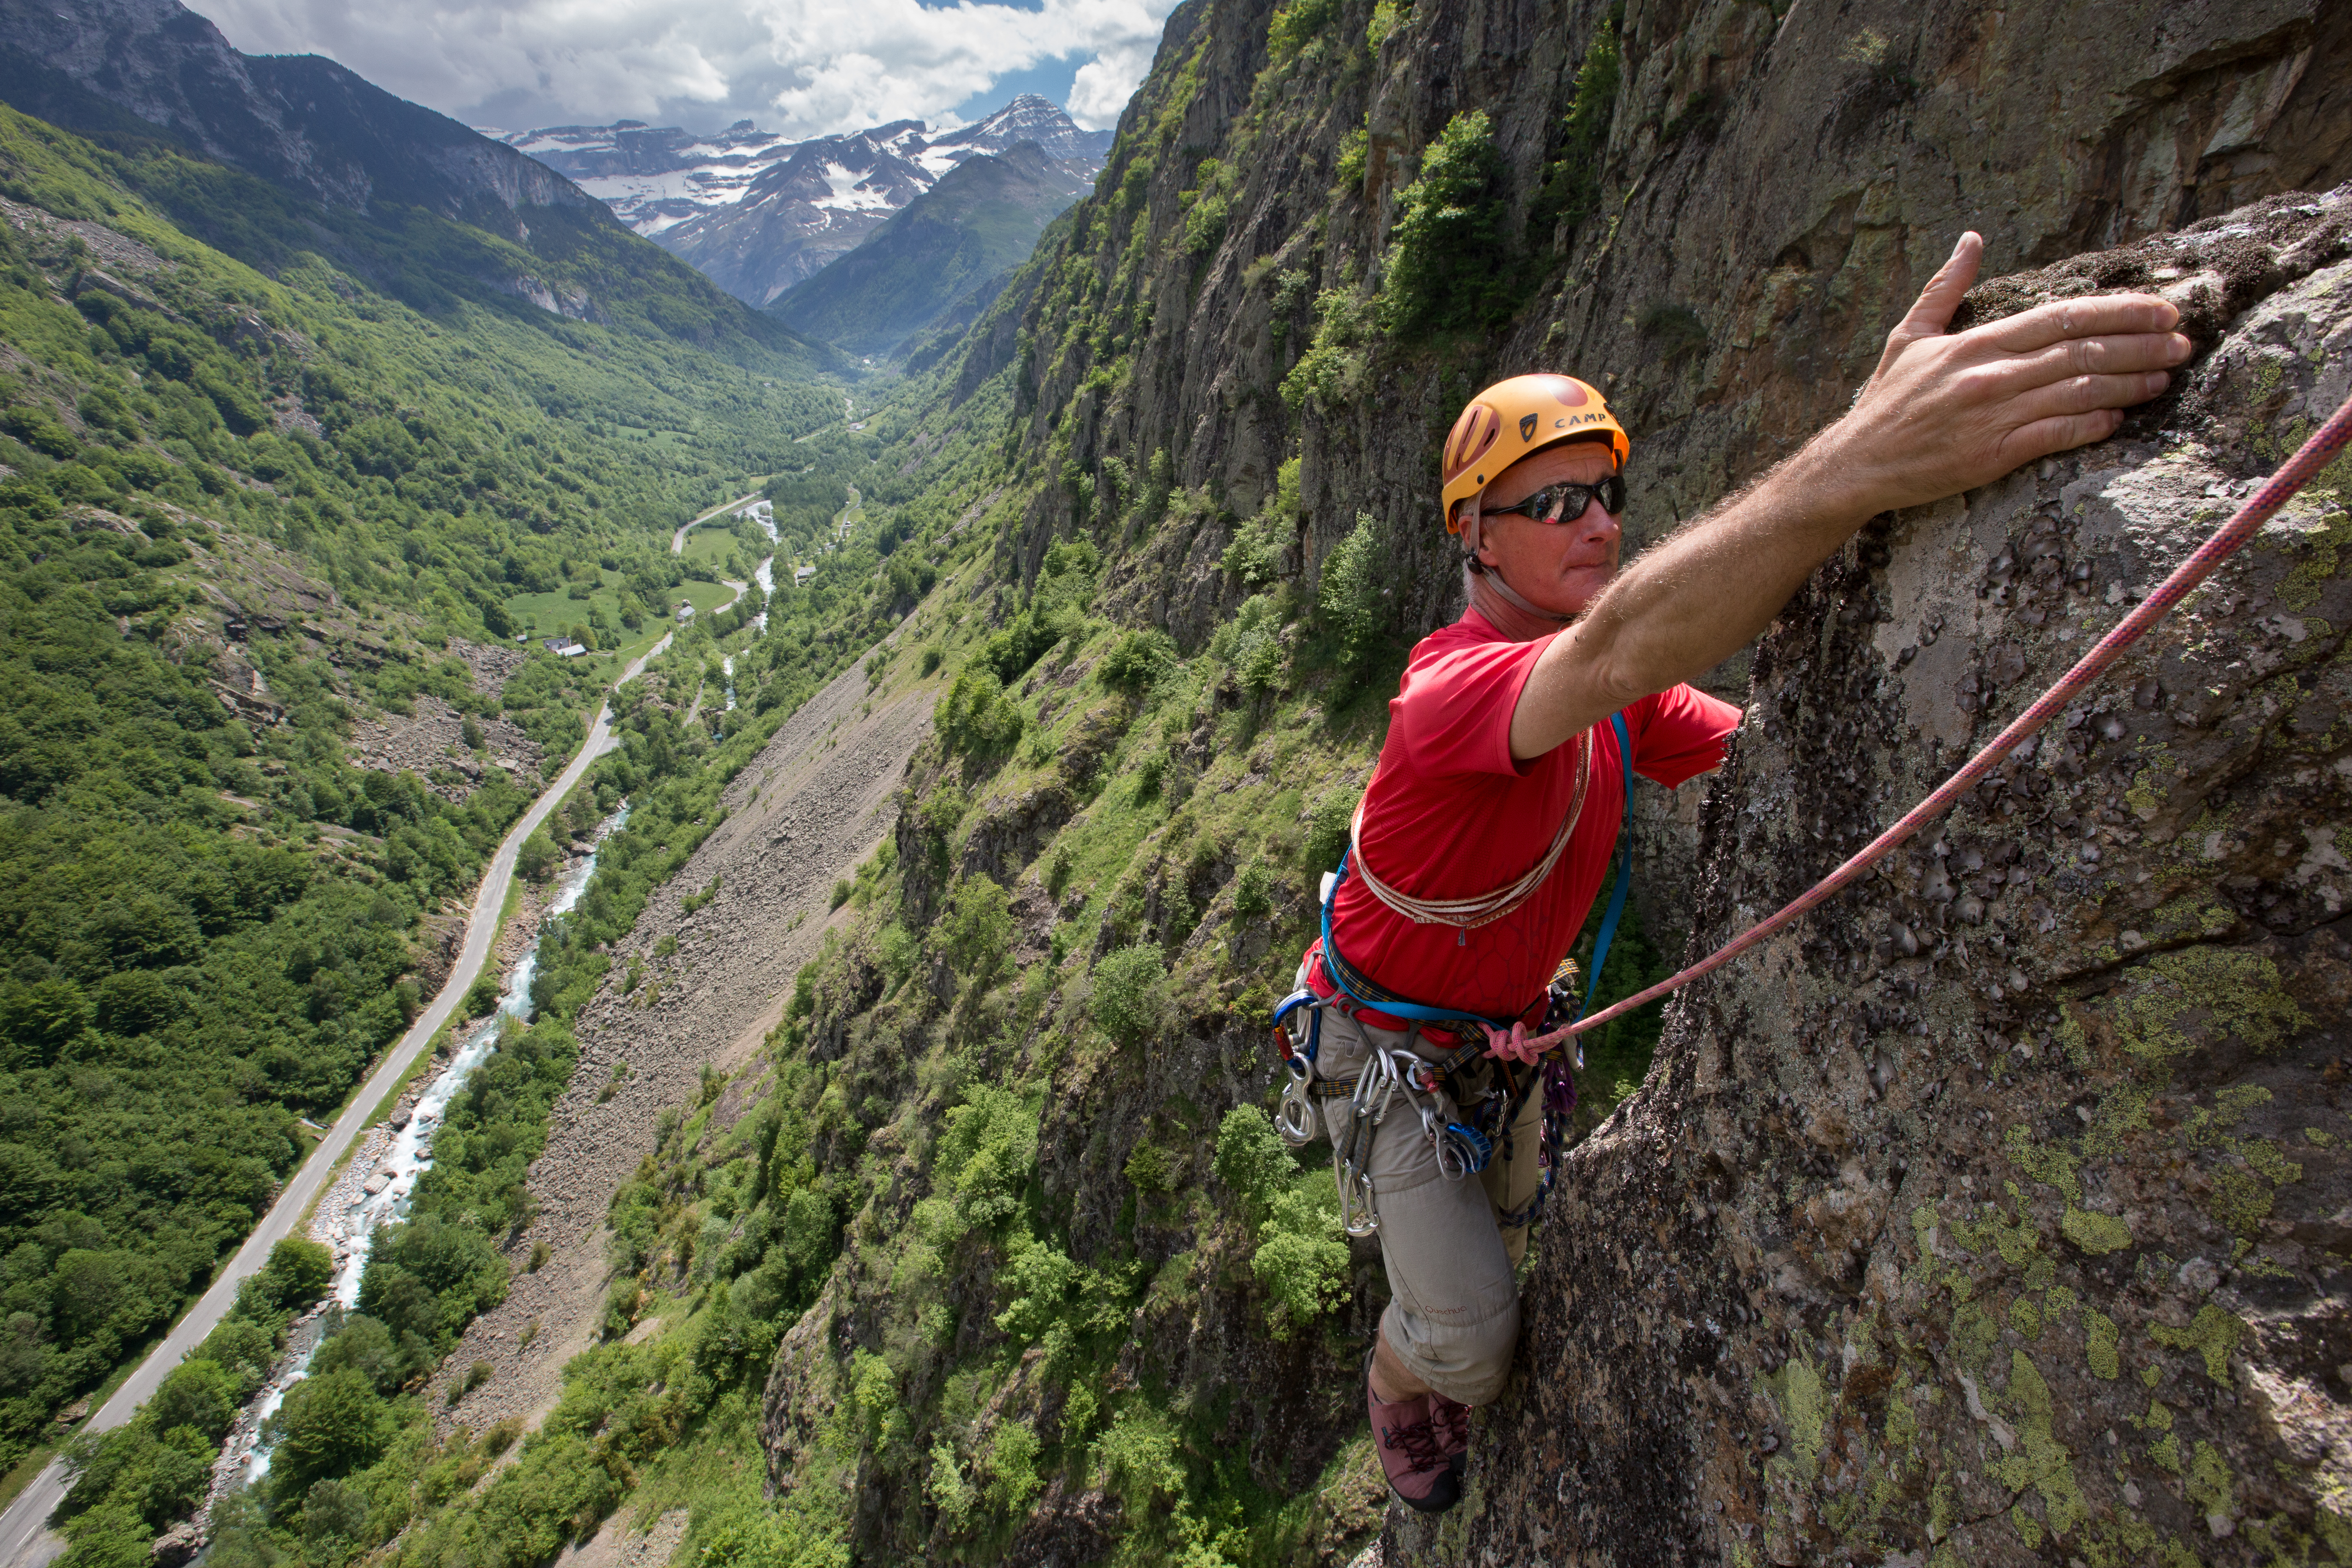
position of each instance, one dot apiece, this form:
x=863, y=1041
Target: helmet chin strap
x=1512, y=596
x=1471, y=540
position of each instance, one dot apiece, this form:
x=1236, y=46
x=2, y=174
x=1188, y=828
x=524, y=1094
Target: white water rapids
x=764, y=514
x=375, y=1189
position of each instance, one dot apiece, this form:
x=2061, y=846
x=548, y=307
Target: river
x=764, y=575
x=375, y=1190
x=24, y=1537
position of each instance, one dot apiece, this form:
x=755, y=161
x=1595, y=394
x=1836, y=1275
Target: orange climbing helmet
x=1513, y=418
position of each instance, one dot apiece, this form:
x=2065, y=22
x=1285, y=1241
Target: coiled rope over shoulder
x=2324, y=443
x=1469, y=914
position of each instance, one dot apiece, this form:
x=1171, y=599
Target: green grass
x=711, y=545
x=553, y=613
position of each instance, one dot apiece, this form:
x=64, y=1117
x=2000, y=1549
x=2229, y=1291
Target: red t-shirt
x=1451, y=816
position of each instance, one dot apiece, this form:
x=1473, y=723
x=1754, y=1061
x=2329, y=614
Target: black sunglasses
x=1558, y=504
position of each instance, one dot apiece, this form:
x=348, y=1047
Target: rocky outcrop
x=430, y=741
x=1997, y=1213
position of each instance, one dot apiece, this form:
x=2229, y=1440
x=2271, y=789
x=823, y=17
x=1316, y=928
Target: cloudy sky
x=804, y=68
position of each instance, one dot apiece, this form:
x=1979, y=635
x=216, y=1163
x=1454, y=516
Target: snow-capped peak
x=758, y=213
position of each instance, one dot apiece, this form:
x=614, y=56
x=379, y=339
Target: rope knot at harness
x=1517, y=1046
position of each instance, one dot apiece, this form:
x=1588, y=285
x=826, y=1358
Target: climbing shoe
x=1418, y=1469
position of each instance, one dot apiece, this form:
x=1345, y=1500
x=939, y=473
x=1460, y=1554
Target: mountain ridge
x=760, y=215
x=960, y=239
x=173, y=70
x=409, y=199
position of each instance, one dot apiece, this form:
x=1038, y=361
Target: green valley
x=244, y=511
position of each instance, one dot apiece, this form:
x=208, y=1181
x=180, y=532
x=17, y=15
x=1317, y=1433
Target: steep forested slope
x=245, y=519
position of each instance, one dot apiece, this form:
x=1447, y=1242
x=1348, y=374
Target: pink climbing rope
x=2325, y=443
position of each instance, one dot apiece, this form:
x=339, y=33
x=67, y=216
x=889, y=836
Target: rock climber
x=1489, y=825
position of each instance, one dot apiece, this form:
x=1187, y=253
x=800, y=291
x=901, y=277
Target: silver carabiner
x=1294, y=1119
x=1357, y=1214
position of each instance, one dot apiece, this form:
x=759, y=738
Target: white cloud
x=1105, y=82
x=802, y=67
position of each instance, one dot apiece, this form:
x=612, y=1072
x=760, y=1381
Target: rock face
x=1991, y=1214
x=1766, y=193
x=1998, y=1212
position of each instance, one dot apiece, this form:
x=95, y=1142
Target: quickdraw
x=1464, y=1140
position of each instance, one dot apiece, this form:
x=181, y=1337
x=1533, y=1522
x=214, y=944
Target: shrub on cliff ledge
x=1331, y=371
x=1351, y=595
x=1299, y=1259
x=1206, y=205
x=1571, y=191
x=1445, y=262
x=1137, y=660
x=979, y=931
x=1294, y=26
x=975, y=716
x=1259, y=545
x=1130, y=992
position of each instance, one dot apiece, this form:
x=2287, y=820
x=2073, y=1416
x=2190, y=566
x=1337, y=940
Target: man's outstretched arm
x=1943, y=413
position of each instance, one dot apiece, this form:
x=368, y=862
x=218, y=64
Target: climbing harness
x=1462, y=1123
x=2261, y=506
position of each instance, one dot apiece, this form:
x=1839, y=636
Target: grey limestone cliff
x=1768, y=188
x=1995, y=1213
x=1999, y=1209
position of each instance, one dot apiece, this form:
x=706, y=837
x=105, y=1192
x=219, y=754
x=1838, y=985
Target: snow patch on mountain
x=655, y=178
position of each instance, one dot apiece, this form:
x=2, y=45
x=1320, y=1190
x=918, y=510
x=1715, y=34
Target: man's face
x=1560, y=567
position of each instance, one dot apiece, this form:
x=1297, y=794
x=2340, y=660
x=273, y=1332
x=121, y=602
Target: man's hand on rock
x=1946, y=412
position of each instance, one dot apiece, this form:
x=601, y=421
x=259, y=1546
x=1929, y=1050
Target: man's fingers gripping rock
x=2064, y=321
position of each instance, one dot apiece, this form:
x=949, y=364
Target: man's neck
x=1516, y=624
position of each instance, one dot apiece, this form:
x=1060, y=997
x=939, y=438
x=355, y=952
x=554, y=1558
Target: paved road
x=678, y=540
x=24, y=1540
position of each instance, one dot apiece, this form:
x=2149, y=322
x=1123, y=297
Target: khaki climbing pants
x=1454, y=1308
